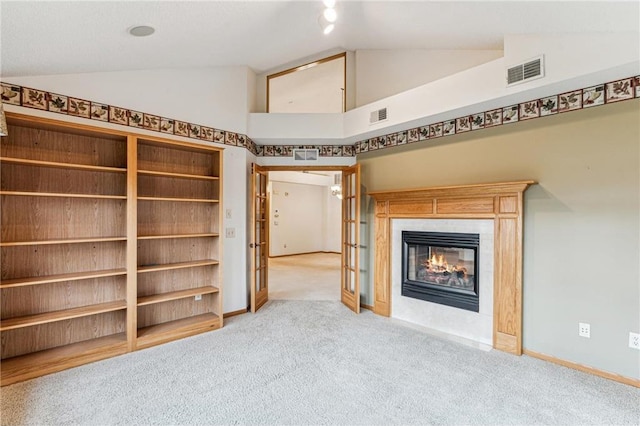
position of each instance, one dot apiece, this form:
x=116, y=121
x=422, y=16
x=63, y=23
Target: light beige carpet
x=317, y=363
x=314, y=276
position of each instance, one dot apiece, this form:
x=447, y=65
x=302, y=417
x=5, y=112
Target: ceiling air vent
x=305, y=154
x=377, y=116
x=526, y=71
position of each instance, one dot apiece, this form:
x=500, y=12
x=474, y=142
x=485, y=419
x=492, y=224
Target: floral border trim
x=13, y=94
x=601, y=94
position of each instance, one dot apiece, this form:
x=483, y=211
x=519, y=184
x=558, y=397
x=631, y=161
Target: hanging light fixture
x=329, y=16
x=3, y=122
x=336, y=188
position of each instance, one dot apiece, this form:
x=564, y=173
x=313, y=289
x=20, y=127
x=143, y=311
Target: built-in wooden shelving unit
x=178, y=240
x=109, y=243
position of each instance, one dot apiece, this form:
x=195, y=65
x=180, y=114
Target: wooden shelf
x=168, y=266
x=25, y=161
x=189, y=200
x=76, y=197
x=171, y=330
x=63, y=195
x=175, y=295
x=176, y=175
x=159, y=237
x=36, y=364
x=61, y=241
x=19, y=282
x=47, y=317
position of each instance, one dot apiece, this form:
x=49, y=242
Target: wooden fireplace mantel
x=502, y=202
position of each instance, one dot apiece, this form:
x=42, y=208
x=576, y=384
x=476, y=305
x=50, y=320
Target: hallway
x=314, y=276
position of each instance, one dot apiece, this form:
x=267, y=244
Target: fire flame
x=439, y=261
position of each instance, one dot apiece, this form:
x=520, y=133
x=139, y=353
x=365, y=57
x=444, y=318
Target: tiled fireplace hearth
x=493, y=212
x=476, y=326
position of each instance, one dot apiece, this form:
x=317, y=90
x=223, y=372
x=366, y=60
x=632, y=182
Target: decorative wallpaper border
x=601, y=94
x=13, y=94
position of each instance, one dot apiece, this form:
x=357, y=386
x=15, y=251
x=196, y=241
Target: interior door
x=350, y=282
x=259, y=238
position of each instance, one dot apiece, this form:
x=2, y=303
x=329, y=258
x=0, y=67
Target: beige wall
x=582, y=220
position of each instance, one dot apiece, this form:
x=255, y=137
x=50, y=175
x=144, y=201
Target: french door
x=350, y=279
x=259, y=238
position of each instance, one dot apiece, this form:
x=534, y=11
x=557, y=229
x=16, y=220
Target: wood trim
x=474, y=190
x=502, y=202
x=236, y=313
x=302, y=254
x=584, y=368
x=304, y=168
x=30, y=120
x=310, y=65
x=367, y=307
x=132, y=242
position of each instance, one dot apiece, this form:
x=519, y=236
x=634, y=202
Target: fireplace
x=441, y=267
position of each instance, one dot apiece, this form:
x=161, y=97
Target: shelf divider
x=176, y=175
x=166, y=331
x=47, y=361
x=61, y=241
x=184, y=200
x=47, y=317
x=63, y=195
x=160, y=237
x=175, y=295
x=180, y=265
x=59, y=165
x=46, y=279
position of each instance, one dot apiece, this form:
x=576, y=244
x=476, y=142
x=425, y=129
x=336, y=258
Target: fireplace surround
x=500, y=202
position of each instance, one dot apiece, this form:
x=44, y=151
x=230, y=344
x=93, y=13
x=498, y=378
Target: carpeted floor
x=312, y=276
x=314, y=362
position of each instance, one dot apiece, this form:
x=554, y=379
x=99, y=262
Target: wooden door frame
x=292, y=169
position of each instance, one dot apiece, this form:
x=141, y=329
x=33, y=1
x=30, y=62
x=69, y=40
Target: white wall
x=332, y=226
x=311, y=202
x=215, y=97
x=234, y=270
x=261, y=79
x=570, y=64
x=296, y=218
x=570, y=55
x=382, y=73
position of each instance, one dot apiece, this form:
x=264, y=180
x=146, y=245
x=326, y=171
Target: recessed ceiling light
x=141, y=31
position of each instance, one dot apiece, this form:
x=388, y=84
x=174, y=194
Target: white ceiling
x=54, y=37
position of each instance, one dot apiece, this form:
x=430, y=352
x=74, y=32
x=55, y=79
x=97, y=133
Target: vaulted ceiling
x=54, y=37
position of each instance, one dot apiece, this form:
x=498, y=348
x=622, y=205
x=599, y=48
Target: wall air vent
x=378, y=116
x=529, y=70
x=305, y=154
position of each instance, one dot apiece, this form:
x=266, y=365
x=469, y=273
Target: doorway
x=264, y=218
x=304, y=235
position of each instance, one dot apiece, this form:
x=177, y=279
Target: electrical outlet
x=584, y=330
x=634, y=340
x=197, y=297
x=230, y=232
